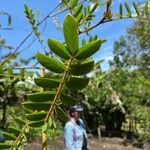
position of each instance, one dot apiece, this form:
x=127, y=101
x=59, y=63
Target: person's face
x=75, y=115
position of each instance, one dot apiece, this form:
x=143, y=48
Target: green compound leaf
x=77, y=83
x=50, y=63
x=42, y=96
x=58, y=48
x=88, y=49
x=70, y=30
x=47, y=82
x=68, y=100
x=36, y=116
x=82, y=68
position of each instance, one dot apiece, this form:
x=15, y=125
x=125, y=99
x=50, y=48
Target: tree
x=133, y=50
x=131, y=54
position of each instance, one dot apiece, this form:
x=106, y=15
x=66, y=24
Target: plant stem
x=61, y=85
x=44, y=141
x=18, y=138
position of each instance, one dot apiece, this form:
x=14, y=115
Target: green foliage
x=88, y=49
x=120, y=10
x=50, y=63
x=136, y=8
x=31, y=18
x=128, y=9
x=12, y=129
x=68, y=100
x=36, y=116
x=36, y=124
x=41, y=96
x=77, y=10
x=82, y=67
x=58, y=48
x=5, y=145
x=61, y=114
x=47, y=82
x=146, y=9
x=37, y=106
x=71, y=34
x=77, y=83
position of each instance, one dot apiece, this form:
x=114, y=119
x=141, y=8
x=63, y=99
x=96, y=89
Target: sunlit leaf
x=50, y=63
x=47, y=82
x=41, y=96
x=58, y=48
x=70, y=30
x=88, y=49
x=73, y=4
x=94, y=8
x=78, y=10
x=45, y=127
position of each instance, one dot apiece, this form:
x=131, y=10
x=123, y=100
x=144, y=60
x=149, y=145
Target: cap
x=76, y=109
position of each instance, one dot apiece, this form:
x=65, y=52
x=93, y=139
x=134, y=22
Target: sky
x=21, y=28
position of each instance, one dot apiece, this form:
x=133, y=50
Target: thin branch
x=25, y=67
x=105, y=21
x=11, y=76
x=59, y=90
x=19, y=137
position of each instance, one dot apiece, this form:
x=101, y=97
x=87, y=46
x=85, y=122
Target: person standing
x=74, y=132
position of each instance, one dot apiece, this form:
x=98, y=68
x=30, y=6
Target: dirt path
x=95, y=144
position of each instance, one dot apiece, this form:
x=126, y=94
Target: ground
x=95, y=144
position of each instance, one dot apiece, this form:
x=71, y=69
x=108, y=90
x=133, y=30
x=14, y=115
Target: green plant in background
x=69, y=70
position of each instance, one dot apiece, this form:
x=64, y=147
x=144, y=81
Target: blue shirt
x=73, y=135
